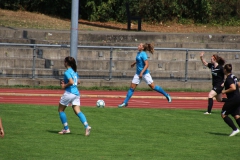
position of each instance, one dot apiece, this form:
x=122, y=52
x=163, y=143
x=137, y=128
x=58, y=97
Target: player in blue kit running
x=71, y=96
x=142, y=72
x=216, y=67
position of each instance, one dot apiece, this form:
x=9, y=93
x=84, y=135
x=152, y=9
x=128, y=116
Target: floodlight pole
x=74, y=30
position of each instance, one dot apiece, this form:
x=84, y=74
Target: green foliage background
x=224, y=12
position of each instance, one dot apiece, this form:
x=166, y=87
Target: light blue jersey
x=71, y=74
x=140, y=58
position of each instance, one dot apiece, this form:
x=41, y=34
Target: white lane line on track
x=104, y=96
x=139, y=101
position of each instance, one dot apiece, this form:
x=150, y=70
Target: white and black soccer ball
x=100, y=103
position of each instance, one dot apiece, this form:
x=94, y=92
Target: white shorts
x=69, y=98
x=147, y=78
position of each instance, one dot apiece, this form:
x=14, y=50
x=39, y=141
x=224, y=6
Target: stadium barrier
x=36, y=53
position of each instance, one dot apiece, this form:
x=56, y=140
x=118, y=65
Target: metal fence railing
x=111, y=48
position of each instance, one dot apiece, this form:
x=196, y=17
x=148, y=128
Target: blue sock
x=160, y=90
x=129, y=95
x=83, y=119
x=63, y=118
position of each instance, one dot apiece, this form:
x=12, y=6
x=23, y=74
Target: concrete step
x=101, y=64
x=104, y=54
x=94, y=65
x=213, y=45
x=105, y=74
x=29, y=73
x=120, y=36
x=20, y=62
x=166, y=84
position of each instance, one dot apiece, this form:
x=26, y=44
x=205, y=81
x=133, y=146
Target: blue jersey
x=69, y=73
x=140, y=58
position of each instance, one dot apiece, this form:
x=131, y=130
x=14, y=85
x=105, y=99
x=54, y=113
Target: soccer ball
x=100, y=103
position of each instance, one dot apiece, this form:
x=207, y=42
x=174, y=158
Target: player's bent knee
x=151, y=87
x=210, y=96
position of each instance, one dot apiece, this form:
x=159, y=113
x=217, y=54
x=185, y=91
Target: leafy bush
x=153, y=11
x=59, y=8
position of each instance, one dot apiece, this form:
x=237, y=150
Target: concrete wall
x=94, y=64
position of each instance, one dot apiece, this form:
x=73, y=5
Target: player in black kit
x=232, y=103
x=216, y=67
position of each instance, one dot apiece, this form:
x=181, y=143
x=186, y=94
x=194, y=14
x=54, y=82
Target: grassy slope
x=22, y=19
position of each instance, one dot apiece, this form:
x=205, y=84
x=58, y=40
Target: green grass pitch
x=31, y=133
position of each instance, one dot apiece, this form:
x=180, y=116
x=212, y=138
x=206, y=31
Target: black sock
x=224, y=99
x=210, y=104
x=230, y=123
x=238, y=122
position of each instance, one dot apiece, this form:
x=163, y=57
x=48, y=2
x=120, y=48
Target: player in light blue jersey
x=142, y=72
x=71, y=96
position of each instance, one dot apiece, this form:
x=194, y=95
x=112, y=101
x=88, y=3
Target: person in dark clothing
x=216, y=67
x=232, y=103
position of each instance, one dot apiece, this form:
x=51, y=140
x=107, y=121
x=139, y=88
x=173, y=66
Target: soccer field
x=31, y=132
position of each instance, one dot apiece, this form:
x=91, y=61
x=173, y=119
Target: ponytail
x=148, y=47
x=219, y=60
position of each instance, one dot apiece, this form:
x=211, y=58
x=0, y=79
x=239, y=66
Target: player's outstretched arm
x=203, y=61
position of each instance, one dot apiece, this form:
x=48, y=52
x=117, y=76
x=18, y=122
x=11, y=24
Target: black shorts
x=231, y=106
x=218, y=89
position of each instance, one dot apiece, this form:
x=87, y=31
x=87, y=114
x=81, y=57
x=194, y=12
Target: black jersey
x=217, y=74
x=231, y=79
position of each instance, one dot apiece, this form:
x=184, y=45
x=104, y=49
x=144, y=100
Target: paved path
x=140, y=99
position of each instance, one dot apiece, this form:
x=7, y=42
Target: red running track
x=140, y=99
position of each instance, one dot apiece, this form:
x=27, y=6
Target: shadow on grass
x=218, y=134
x=55, y=132
x=213, y=112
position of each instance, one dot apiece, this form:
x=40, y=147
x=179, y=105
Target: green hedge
x=225, y=12
x=59, y=8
